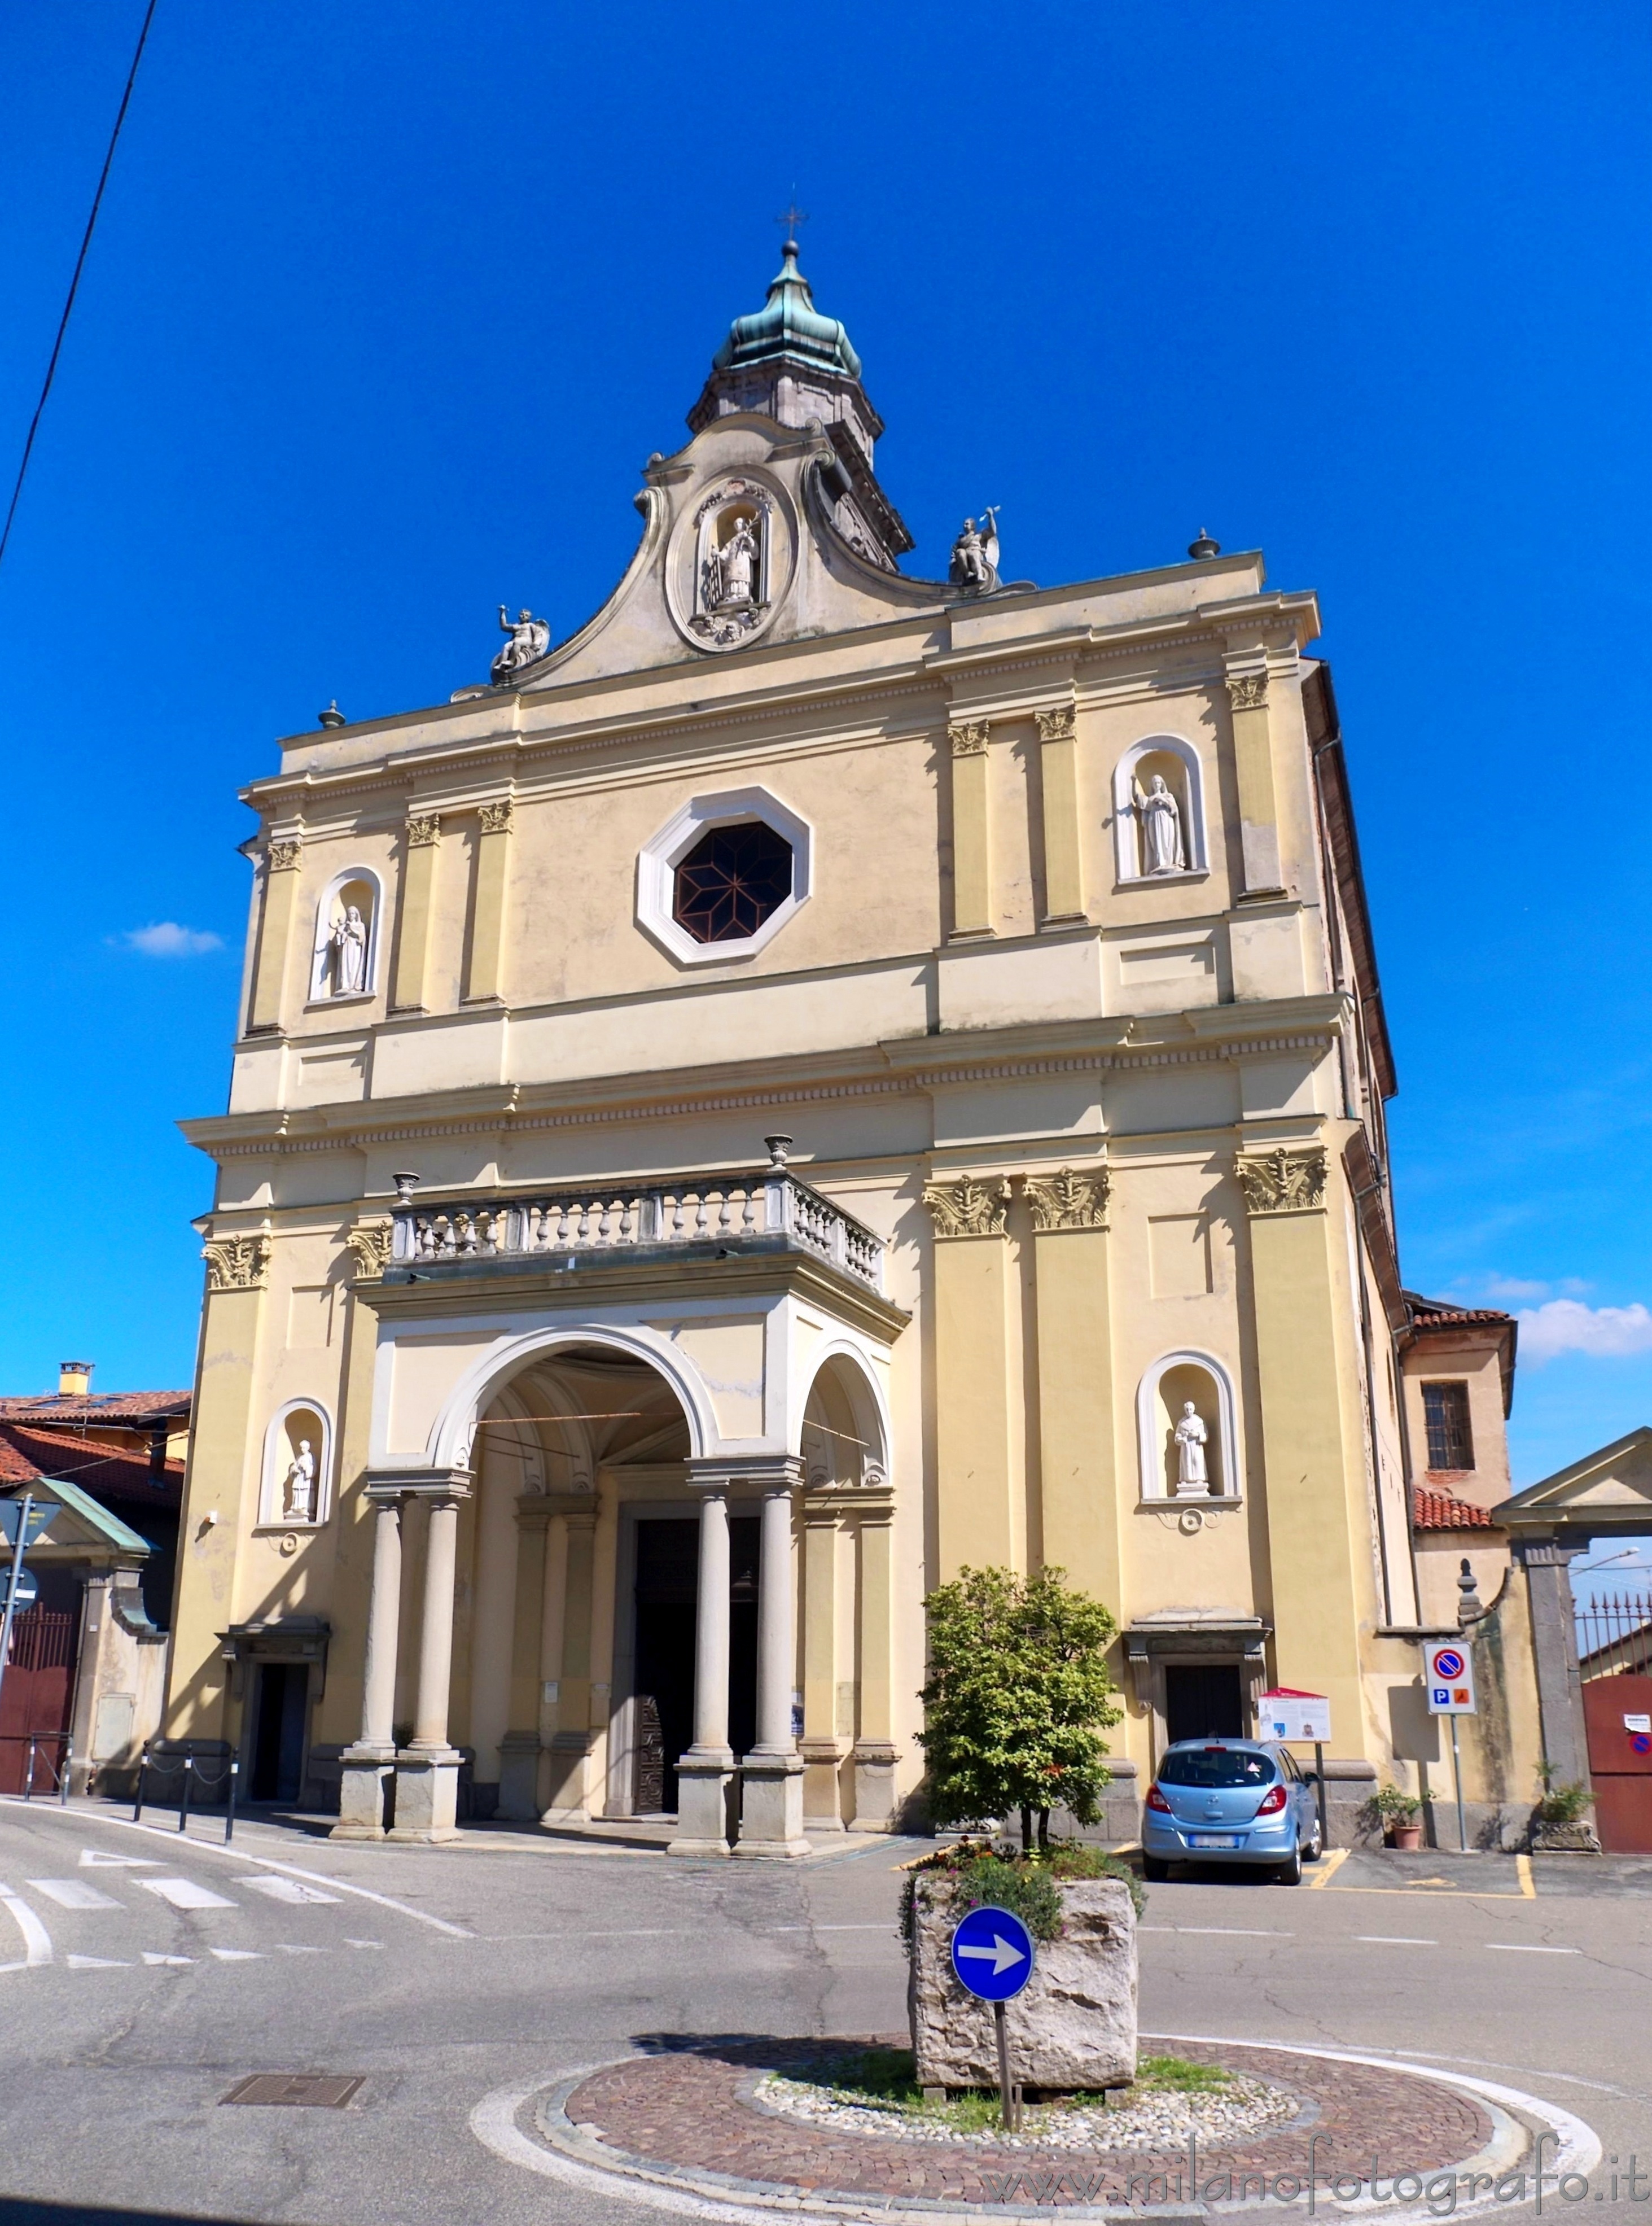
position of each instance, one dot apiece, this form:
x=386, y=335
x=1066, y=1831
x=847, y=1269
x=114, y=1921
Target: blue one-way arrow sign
x=992, y=1953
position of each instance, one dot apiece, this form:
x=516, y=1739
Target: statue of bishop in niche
x=1192, y=1472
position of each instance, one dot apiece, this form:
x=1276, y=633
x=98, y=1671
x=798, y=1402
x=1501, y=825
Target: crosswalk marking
x=71, y=1893
x=150, y=1956
x=238, y=1955
x=287, y=1889
x=97, y=1963
x=185, y=1893
x=38, y=1941
x=363, y=1944
x=287, y=1949
x=94, y=1859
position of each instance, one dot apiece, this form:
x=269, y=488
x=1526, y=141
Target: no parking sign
x=1448, y=1673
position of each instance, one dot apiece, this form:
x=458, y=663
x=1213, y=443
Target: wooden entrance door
x=1618, y=1716
x=36, y=1697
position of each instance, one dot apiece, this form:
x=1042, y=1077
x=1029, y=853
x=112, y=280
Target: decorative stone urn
x=1072, y=2027
x=1575, y=1838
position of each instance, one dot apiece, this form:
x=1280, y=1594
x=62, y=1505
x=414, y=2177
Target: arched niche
x=1176, y=762
x=1161, y=1396
x=344, y=964
x=300, y=1424
x=844, y=1431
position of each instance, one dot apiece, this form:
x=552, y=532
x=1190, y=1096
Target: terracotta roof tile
x=1425, y=1311
x=28, y=1455
x=113, y=1407
x=1439, y=1511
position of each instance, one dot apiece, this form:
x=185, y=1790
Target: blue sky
x=384, y=313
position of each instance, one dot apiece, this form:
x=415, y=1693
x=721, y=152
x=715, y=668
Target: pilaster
x=974, y=1517
x=571, y=1744
x=971, y=847
x=483, y=979
x=519, y=1749
x=422, y=842
x=875, y=1754
x=1064, y=864
x=281, y=862
x=822, y=1748
x=1077, y=1449
x=1253, y=752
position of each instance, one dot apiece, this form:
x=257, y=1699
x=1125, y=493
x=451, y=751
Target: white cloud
x=1515, y=1287
x=1567, y=1325
x=164, y=938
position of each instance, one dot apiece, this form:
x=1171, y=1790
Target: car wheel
x=1316, y=1845
x=1290, y=1872
x=1154, y=1869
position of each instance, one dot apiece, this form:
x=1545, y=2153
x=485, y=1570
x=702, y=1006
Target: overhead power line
x=75, y=282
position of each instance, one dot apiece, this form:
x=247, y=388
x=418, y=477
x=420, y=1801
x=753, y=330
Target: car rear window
x=1215, y=1765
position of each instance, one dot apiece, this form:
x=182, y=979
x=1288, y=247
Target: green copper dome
x=789, y=324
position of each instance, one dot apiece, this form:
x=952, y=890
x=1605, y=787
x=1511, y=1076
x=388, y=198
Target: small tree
x=1018, y=1696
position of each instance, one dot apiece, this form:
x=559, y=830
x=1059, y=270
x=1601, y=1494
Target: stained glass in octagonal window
x=733, y=880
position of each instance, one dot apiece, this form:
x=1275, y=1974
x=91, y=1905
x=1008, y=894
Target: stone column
x=772, y=1775
x=571, y=1743
x=281, y=884
x=1064, y=869
x=1554, y=1654
x=427, y=1769
x=364, y=1766
x=520, y=1748
x=875, y=1755
x=971, y=855
x=822, y=1747
x=705, y=1772
x=483, y=974
x=975, y=1404
x=414, y=913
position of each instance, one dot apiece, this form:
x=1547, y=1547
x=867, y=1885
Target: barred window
x=1446, y=1409
x=732, y=881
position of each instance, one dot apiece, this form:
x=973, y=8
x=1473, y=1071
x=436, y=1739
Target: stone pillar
x=875, y=1756
x=1064, y=867
x=571, y=1743
x=772, y=1775
x=483, y=974
x=427, y=1769
x=1082, y=1496
x=364, y=1766
x=281, y=885
x=822, y=1746
x=971, y=855
x=975, y=1520
x=1253, y=757
x=705, y=1772
x=520, y=1748
x=1554, y=1654
x=414, y=913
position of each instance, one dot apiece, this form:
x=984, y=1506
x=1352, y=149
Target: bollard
x=183, y=1804
x=229, y=1820
x=142, y=1764
x=28, y=1782
x=63, y=1782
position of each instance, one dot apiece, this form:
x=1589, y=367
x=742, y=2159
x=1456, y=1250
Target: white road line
x=150, y=1956
x=287, y=1889
x=38, y=1941
x=1527, y=1947
x=287, y=1949
x=363, y=1944
x=94, y=1859
x=72, y=1893
x=185, y=1893
x=1394, y=1940
x=888, y=1927
x=1235, y=1931
x=97, y=1963
x=238, y=1955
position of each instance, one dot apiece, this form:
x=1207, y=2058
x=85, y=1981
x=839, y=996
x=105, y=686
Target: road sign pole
x=1457, y=1771
x=1319, y=1782
x=11, y=1594
x=1006, y=2093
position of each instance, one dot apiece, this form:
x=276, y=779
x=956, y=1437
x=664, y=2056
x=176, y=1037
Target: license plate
x=1213, y=1839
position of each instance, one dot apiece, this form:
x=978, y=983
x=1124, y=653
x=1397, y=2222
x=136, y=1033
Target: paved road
x=143, y=1975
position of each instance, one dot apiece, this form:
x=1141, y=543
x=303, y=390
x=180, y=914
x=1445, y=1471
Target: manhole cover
x=304, y=2090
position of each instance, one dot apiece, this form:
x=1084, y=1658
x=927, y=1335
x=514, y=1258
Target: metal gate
x=36, y=1697
x=1615, y=1658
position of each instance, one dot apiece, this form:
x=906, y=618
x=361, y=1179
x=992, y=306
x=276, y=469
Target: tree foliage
x=1018, y=1697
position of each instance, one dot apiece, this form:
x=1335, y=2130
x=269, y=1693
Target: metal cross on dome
x=792, y=218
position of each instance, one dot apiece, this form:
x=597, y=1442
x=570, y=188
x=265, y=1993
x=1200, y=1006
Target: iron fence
x=1615, y=1635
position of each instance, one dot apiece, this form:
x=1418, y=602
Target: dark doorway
x=1204, y=1700
x=668, y=1564
x=278, y=1732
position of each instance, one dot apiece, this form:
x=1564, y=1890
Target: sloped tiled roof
x=1427, y=1311
x=1439, y=1511
x=114, y=1408
x=28, y=1455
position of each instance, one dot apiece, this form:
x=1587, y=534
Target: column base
x=703, y=1781
x=570, y=1793
x=362, y=1773
x=427, y=1796
x=519, y=1753
x=771, y=1809
x=822, y=1786
x=874, y=1786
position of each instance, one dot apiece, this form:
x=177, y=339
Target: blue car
x=1229, y=1801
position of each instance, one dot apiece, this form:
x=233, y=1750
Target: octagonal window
x=733, y=880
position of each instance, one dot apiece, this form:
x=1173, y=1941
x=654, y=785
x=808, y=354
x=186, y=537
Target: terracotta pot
x=1405, y=1836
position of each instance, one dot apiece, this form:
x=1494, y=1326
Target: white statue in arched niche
x=349, y=939
x=299, y=1490
x=731, y=568
x=1163, y=850
x=1193, y=1470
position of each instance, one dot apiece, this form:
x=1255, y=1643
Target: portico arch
x=453, y=1434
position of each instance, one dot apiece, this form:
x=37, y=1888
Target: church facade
x=821, y=1079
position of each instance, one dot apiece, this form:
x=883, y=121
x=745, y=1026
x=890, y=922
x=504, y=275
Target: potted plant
x=1561, y=1826
x=1399, y=1812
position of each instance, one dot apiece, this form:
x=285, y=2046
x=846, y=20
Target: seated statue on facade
x=530, y=639
x=975, y=555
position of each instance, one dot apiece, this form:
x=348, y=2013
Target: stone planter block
x=1072, y=2027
